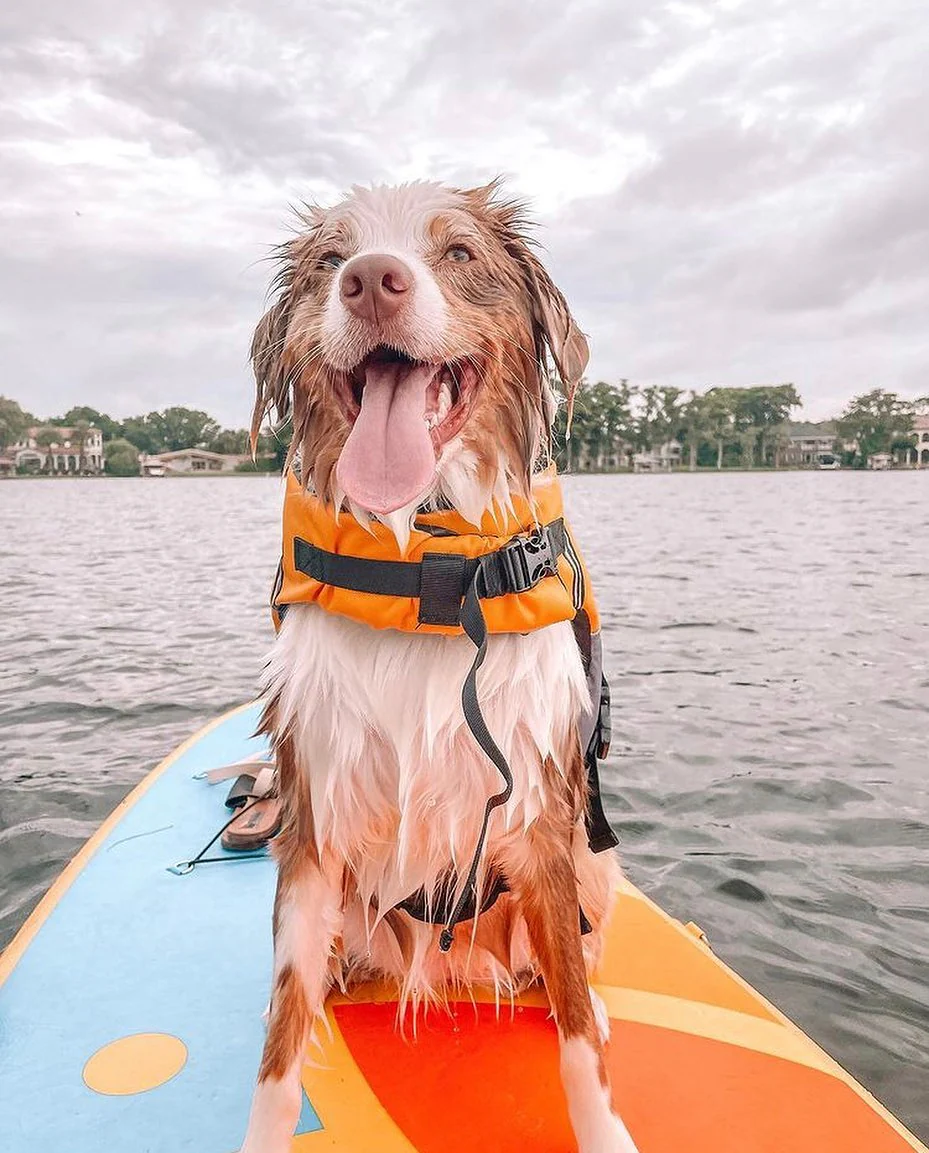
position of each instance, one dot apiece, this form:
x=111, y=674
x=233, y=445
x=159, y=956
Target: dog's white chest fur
x=398, y=783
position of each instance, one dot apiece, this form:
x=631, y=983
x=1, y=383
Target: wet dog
x=408, y=340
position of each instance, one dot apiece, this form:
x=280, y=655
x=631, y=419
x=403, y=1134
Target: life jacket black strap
x=600, y=835
x=441, y=580
x=474, y=624
x=436, y=907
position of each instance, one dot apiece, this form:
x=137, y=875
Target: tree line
x=717, y=428
x=721, y=427
x=169, y=430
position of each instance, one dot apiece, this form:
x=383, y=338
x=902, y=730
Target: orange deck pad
x=465, y=1085
x=644, y=950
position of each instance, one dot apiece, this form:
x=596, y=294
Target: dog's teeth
x=431, y=419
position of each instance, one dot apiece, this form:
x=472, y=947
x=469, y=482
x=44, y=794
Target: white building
x=62, y=451
x=921, y=432
x=808, y=443
x=189, y=460
x=662, y=459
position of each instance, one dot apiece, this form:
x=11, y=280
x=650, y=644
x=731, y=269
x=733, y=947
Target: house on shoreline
x=920, y=454
x=808, y=443
x=665, y=458
x=56, y=450
x=190, y=462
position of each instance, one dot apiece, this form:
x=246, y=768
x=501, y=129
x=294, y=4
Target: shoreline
x=197, y=476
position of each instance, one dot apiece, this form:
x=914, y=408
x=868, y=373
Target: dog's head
x=410, y=336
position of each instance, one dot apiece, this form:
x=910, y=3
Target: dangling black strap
x=600, y=835
x=474, y=624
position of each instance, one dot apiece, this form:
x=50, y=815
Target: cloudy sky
x=731, y=193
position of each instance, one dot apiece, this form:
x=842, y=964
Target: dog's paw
x=612, y=1137
x=623, y=1142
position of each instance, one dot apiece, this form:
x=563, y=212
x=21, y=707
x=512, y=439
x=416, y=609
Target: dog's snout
x=374, y=287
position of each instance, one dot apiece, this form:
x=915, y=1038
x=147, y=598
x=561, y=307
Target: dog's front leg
x=541, y=873
x=307, y=921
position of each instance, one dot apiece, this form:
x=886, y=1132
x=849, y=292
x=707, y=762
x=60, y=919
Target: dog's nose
x=374, y=287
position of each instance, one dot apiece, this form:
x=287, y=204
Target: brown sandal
x=260, y=817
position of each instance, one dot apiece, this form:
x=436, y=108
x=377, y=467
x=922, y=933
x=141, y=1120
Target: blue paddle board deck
x=122, y=947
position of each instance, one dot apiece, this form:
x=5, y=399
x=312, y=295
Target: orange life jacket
x=519, y=571
x=318, y=546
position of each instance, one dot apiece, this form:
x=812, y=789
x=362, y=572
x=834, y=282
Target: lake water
x=767, y=638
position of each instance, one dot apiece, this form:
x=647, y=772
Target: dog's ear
x=555, y=327
x=568, y=345
x=271, y=378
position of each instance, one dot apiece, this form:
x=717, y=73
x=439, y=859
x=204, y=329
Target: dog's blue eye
x=458, y=253
x=332, y=259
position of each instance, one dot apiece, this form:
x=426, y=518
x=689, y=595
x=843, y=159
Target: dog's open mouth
x=402, y=412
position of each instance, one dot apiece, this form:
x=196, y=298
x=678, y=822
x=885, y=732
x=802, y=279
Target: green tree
x=695, y=426
x=602, y=424
x=660, y=416
x=13, y=421
x=648, y=418
x=171, y=429
x=142, y=433
x=121, y=458
x=230, y=440
x=744, y=431
x=185, y=428
x=671, y=415
x=764, y=408
x=720, y=419
x=618, y=422
x=747, y=440
x=874, y=421
x=275, y=443
x=83, y=412
x=779, y=442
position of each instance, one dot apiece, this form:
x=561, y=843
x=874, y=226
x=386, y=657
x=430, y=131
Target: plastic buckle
x=526, y=560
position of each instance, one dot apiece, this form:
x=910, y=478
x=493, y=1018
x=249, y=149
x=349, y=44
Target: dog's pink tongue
x=388, y=459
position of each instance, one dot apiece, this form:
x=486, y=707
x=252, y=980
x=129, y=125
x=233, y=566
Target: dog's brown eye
x=458, y=254
x=332, y=259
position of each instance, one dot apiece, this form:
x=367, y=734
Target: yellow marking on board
x=69, y=874
x=135, y=1064
x=728, y=1025
x=345, y=1102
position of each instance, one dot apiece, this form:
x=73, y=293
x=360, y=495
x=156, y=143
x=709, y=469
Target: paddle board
x=131, y=1020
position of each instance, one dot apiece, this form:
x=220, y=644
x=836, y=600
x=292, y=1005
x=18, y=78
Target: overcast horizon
x=728, y=194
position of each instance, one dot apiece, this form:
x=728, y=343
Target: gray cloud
x=730, y=193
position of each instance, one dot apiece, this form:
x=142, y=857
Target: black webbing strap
x=435, y=908
x=390, y=577
x=473, y=623
x=440, y=580
x=600, y=835
x=443, y=578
